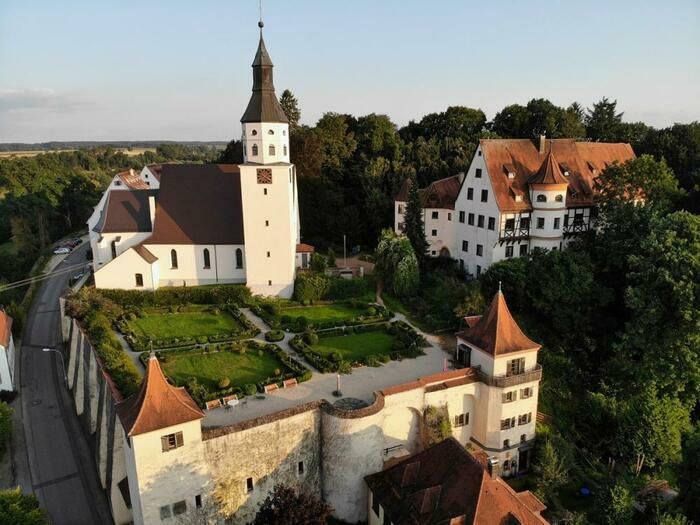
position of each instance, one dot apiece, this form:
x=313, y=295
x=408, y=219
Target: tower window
x=173, y=259
x=541, y=198
x=268, y=254
x=264, y=191
x=269, y=283
x=254, y=132
x=284, y=132
x=139, y=280
x=171, y=441
x=559, y=198
x=300, y=467
x=267, y=223
x=254, y=150
x=239, y=258
x=284, y=149
x=198, y=501
x=270, y=132
x=207, y=262
x=272, y=149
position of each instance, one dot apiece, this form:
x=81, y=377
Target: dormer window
x=518, y=198
x=559, y=198
x=254, y=132
x=509, y=170
x=541, y=198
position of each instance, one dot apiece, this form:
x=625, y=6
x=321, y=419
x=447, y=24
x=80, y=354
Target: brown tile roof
x=145, y=253
x=447, y=378
x=263, y=105
x=157, y=404
x=443, y=483
x=305, y=248
x=156, y=169
x=125, y=212
x=497, y=332
x=132, y=180
x=549, y=172
x=198, y=204
x=582, y=160
x=439, y=194
x=5, y=329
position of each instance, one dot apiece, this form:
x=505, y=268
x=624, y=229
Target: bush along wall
x=171, y=296
x=407, y=344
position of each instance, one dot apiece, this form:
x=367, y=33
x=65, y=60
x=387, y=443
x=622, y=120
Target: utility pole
x=345, y=258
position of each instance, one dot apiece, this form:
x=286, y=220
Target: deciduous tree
x=287, y=506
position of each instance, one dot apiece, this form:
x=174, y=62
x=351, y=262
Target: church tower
x=268, y=187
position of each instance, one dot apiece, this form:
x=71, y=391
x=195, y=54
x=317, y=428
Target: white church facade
x=198, y=224
x=517, y=195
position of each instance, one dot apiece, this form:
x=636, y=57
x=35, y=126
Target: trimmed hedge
x=310, y=287
x=168, y=296
x=274, y=335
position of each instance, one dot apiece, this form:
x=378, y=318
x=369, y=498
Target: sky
x=180, y=70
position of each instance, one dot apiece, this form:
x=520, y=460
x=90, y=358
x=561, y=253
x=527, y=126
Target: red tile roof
x=584, y=161
x=5, y=329
x=549, y=173
x=497, y=332
x=444, y=483
x=132, y=180
x=440, y=194
x=157, y=404
x=305, y=248
x=447, y=378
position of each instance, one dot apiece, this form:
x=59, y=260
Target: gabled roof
x=584, y=161
x=549, y=172
x=198, y=204
x=496, y=332
x=305, y=248
x=125, y=212
x=5, y=329
x=440, y=194
x=157, y=404
x=132, y=180
x=445, y=482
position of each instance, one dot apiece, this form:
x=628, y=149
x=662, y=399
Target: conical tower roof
x=157, y=404
x=497, y=332
x=263, y=105
x=549, y=172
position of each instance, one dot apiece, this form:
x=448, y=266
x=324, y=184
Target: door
x=304, y=260
x=524, y=460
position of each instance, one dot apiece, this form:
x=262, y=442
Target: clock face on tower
x=264, y=176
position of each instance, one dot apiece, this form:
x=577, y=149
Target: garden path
x=134, y=356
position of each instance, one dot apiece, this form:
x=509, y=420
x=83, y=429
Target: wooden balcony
x=505, y=381
x=513, y=234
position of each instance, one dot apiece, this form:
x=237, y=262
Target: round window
x=254, y=132
x=559, y=198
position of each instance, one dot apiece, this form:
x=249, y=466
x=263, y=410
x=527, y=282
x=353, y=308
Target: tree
x=20, y=509
x=318, y=263
x=287, y=506
x=689, y=475
x=233, y=153
x=413, y=222
x=397, y=264
x=552, y=469
x=331, y=258
x=290, y=106
x=603, y=123
x=617, y=507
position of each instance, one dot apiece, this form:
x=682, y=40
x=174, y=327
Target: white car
x=62, y=250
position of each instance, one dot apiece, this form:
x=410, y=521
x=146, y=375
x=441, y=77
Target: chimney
x=152, y=208
x=543, y=140
x=460, y=177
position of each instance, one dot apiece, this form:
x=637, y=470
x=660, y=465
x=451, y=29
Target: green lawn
x=356, y=346
x=325, y=312
x=193, y=323
x=209, y=368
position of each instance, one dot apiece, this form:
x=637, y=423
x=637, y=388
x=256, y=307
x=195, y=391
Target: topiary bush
x=274, y=335
x=310, y=338
x=250, y=389
x=224, y=382
x=335, y=357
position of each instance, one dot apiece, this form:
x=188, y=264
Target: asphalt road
x=62, y=468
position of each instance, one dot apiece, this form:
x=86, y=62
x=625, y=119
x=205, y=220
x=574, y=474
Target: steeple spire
x=263, y=105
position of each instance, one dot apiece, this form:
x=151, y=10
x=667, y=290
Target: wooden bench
x=289, y=383
x=271, y=388
x=214, y=403
x=225, y=400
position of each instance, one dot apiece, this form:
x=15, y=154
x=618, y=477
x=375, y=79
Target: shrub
x=302, y=323
x=372, y=360
x=336, y=357
x=250, y=389
x=215, y=311
x=274, y=335
x=272, y=308
x=224, y=382
x=310, y=338
x=202, y=339
x=305, y=376
x=5, y=425
x=344, y=367
x=371, y=311
x=260, y=353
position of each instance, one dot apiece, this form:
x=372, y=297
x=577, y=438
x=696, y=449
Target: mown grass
x=356, y=346
x=193, y=323
x=325, y=312
x=209, y=368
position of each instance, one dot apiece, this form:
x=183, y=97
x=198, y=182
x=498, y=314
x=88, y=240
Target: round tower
x=548, y=198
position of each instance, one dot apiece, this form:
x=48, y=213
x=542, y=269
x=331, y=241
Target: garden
x=341, y=349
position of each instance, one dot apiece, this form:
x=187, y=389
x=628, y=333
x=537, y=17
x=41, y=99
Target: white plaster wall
x=443, y=226
x=190, y=269
x=403, y=414
x=102, y=249
x=121, y=272
x=399, y=216
x=150, y=178
x=279, y=138
x=273, y=274
x=7, y=364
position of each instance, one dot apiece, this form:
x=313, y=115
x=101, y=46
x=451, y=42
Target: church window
x=284, y=149
x=271, y=132
x=272, y=149
x=173, y=259
x=559, y=198
x=254, y=132
x=249, y=485
x=171, y=441
x=264, y=191
x=541, y=198
x=239, y=258
x=207, y=262
x=284, y=132
x=449, y=216
x=269, y=283
x=254, y=150
x=139, y=280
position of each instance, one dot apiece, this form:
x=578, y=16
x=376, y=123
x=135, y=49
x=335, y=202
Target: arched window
x=207, y=264
x=284, y=149
x=270, y=132
x=239, y=258
x=254, y=132
x=272, y=149
x=173, y=259
x=254, y=150
x=559, y=198
x=541, y=198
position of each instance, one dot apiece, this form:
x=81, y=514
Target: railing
x=388, y=450
x=503, y=381
x=576, y=227
x=513, y=234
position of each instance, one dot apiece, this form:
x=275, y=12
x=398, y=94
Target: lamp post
x=337, y=392
x=63, y=364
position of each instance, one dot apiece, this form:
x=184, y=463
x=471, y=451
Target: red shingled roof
x=157, y=404
x=583, y=161
x=549, y=172
x=440, y=194
x=132, y=180
x=305, y=248
x=497, y=332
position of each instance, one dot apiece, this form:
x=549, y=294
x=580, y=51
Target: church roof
x=132, y=180
x=440, y=194
x=263, y=105
x=444, y=483
x=198, y=204
x=126, y=211
x=157, y=404
x=549, y=172
x=583, y=161
x=497, y=332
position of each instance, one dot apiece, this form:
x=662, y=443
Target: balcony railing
x=504, y=381
x=513, y=234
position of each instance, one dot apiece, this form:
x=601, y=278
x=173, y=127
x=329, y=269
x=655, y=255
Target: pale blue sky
x=170, y=69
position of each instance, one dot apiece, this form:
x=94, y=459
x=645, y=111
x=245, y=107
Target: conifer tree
x=413, y=220
x=290, y=106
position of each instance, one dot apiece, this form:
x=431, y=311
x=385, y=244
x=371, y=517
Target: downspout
x=216, y=265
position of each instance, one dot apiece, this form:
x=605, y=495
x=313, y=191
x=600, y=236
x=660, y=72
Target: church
x=199, y=224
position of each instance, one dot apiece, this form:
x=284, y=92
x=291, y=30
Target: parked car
x=61, y=250
x=74, y=279
x=74, y=242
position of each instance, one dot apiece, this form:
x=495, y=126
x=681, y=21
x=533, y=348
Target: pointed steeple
x=549, y=172
x=157, y=404
x=263, y=105
x=497, y=332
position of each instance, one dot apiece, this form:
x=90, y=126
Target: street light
x=63, y=365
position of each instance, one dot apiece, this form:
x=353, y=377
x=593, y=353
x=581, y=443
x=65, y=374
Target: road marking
x=55, y=480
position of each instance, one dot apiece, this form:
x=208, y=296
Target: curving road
x=61, y=464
